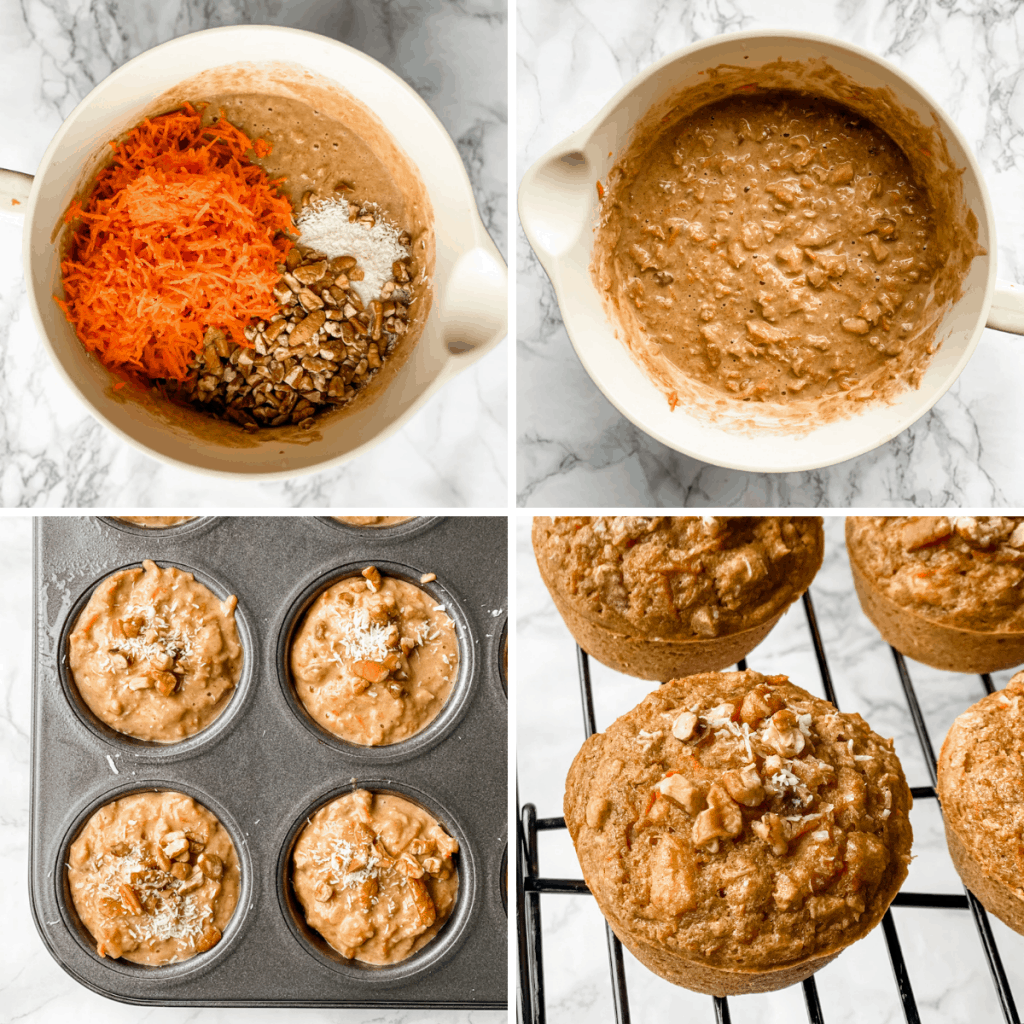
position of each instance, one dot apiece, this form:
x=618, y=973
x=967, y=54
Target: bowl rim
x=551, y=262
x=477, y=237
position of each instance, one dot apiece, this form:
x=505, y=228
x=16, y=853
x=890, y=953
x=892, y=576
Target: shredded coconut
x=361, y=639
x=324, y=225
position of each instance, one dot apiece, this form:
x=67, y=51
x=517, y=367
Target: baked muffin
x=737, y=832
x=981, y=788
x=945, y=590
x=664, y=596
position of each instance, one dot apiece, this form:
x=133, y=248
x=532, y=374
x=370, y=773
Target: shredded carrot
x=15, y=202
x=180, y=234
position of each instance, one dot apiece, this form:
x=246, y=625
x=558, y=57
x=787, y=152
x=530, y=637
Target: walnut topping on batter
x=765, y=828
x=375, y=876
x=154, y=877
x=155, y=654
x=374, y=659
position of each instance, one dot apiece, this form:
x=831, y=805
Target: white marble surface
x=33, y=988
x=575, y=449
x=944, y=957
x=453, y=453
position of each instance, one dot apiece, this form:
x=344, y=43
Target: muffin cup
x=658, y=660
x=946, y=647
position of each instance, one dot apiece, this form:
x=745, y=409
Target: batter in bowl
x=154, y=877
x=773, y=247
x=375, y=876
x=154, y=654
x=374, y=659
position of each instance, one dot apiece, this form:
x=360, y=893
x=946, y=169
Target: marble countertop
x=575, y=449
x=33, y=988
x=453, y=452
x=944, y=957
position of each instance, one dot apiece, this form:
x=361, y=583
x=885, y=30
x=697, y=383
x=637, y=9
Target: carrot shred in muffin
x=181, y=233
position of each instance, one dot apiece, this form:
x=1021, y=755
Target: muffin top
x=736, y=820
x=678, y=577
x=981, y=782
x=963, y=571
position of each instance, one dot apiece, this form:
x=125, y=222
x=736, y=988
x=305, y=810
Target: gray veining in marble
x=453, y=453
x=33, y=988
x=946, y=964
x=575, y=449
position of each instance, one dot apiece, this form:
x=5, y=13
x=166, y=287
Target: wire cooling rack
x=531, y=885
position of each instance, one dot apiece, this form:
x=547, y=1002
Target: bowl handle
x=1007, y=311
x=14, y=190
x=555, y=200
x=475, y=310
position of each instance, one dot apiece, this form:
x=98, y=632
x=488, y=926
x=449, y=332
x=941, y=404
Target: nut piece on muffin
x=664, y=596
x=945, y=590
x=981, y=789
x=737, y=832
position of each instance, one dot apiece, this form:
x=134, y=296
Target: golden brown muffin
x=945, y=590
x=981, y=788
x=737, y=832
x=664, y=596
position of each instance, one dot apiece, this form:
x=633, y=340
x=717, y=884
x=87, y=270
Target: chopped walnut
x=924, y=530
x=744, y=785
x=722, y=819
x=783, y=734
x=683, y=727
x=682, y=791
x=772, y=829
x=758, y=704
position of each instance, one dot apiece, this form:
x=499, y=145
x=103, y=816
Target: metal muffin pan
x=264, y=766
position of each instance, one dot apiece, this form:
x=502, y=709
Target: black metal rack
x=531, y=885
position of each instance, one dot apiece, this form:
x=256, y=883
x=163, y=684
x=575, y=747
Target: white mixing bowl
x=468, y=315
x=559, y=207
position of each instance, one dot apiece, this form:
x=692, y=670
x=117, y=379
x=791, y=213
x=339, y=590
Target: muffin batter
x=156, y=522
x=155, y=654
x=374, y=659
x=373, y=520
x=774, y=247
x=375, y=877
x=154, y=877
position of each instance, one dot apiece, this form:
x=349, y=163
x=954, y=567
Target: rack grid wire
x=531, y=885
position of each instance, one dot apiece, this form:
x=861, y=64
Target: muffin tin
x=264, y=766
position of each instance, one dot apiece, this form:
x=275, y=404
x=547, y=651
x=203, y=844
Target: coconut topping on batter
x=374, y=659
x=154, y=877
x=155, y=654
x=375, y=877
